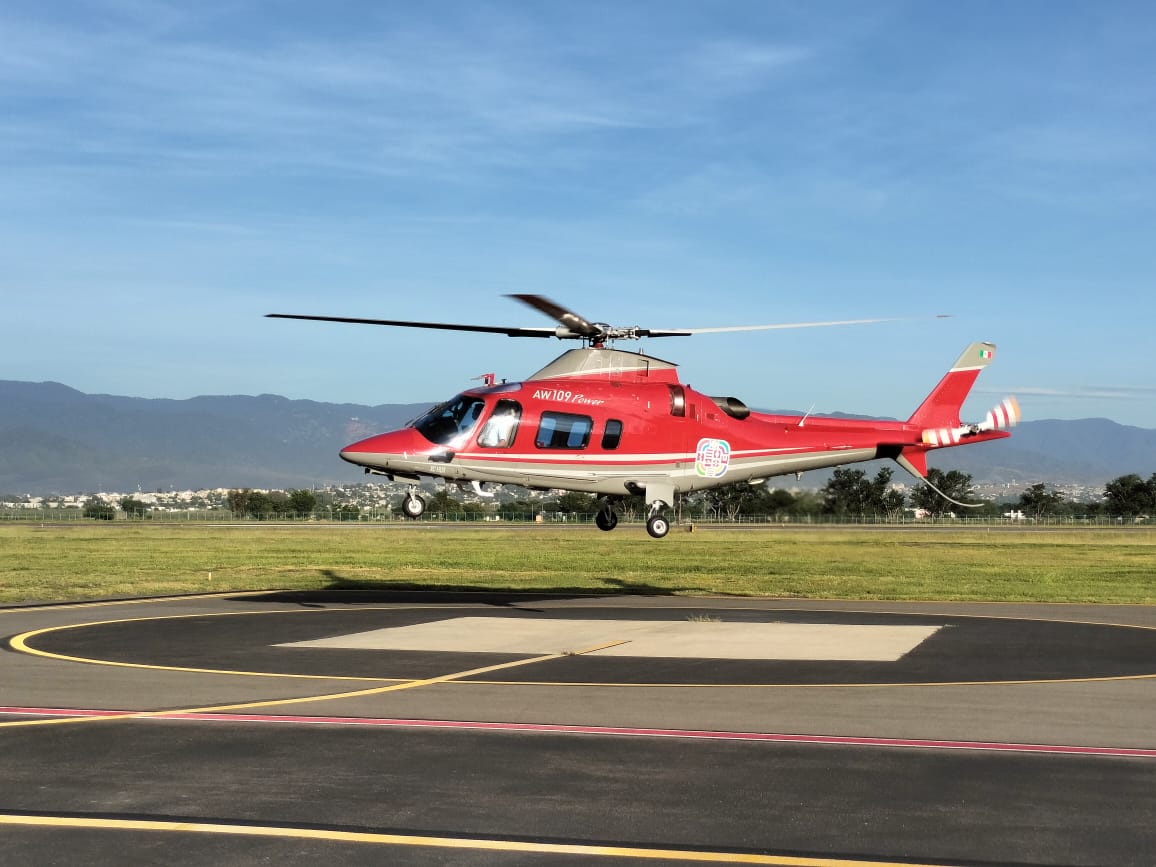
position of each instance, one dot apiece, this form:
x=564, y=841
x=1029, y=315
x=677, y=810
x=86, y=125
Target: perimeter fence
x=386, y=516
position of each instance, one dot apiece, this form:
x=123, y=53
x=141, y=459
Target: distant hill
x=54, y=439
x=1088, y=451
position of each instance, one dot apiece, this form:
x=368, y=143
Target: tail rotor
x=1003, y=416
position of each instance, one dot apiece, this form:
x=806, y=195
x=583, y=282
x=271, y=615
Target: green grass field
x=91, y=560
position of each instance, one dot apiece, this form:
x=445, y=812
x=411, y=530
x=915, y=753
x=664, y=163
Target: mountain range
x=55, y=439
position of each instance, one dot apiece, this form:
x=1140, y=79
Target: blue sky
x=173, y=171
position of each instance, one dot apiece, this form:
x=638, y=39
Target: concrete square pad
x=689, y=639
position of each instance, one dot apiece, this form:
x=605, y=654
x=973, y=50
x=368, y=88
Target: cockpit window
x=501, y=427
x=447, y=422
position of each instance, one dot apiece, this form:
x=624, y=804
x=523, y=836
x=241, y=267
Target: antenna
x=905, y=462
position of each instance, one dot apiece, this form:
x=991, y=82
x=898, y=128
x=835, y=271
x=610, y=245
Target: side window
x=561, y=430
x=501, y=428
x=612, y=436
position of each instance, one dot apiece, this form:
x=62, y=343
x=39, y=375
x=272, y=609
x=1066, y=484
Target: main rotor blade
x=567, y=318
x=574, y=326
x=443, y=326
x=686, y=332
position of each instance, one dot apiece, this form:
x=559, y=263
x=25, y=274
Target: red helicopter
x=614, y=423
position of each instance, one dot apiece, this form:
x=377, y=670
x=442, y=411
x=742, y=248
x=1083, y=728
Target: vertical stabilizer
x=941, y=408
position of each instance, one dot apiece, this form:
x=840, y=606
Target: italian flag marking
x=985, y=353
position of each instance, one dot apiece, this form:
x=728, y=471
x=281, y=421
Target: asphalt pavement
x=248, y=728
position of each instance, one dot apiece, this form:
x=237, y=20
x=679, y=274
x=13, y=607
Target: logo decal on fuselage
x=712, y=457
x=564, y=396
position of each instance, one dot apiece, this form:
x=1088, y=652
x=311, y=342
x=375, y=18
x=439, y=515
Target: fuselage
x=616, y=423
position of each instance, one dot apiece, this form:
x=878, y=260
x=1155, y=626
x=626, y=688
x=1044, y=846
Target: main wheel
x=413, y=506
x=606, y=519
x=657, y=526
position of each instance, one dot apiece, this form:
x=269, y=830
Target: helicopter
x=614, y=423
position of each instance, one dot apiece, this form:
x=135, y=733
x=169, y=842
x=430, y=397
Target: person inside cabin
x=498, y=432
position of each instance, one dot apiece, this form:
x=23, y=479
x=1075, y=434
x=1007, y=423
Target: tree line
x=299, y=503
x=850, y=493
x=245, y=502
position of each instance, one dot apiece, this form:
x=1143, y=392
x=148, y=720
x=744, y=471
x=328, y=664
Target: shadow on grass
x=360, y=591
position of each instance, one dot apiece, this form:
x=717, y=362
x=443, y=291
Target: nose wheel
x=412, y=506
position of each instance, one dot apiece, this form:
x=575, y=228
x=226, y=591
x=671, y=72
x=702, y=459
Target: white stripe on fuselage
x=610, y=473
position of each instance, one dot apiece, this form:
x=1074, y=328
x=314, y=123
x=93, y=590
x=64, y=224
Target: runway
x=499, y=729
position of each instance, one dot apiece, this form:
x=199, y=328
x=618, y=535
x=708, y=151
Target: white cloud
x=734, y=64
x=1090, y=392
x=394, y=96
x=1070, y=144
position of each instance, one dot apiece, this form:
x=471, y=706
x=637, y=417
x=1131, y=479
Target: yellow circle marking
x=279, y=702
x=467, y=843
x=136, y=600
x=20, y=643
x=882, y=684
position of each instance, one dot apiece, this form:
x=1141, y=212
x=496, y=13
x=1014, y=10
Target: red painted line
x=620, y=731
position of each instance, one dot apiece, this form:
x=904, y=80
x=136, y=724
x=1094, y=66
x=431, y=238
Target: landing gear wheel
x=606, y=519
x=413, y=506
x=657, y=526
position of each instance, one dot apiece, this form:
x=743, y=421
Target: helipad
x=679, y=639
x=520, y=729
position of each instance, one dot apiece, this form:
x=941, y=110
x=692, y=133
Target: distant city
x=381, y=495
x=379, y=501
x=370, y=498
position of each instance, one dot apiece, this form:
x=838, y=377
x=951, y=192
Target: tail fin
x=941, y=408
x=938, y=415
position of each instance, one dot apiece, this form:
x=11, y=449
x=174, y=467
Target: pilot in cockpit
x=499, y=430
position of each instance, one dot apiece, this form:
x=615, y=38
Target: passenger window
x=612, y=435
x=501, y=428
x=561, y=430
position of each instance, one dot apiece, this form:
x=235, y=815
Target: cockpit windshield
x=447, y=422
